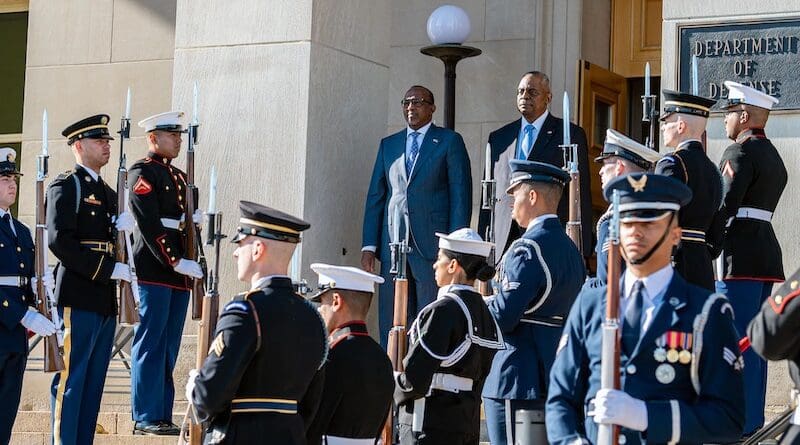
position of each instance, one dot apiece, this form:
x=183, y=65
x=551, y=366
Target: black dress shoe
x=170, y=429
x=155, y=429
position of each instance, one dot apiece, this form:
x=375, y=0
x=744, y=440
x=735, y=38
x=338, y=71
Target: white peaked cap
x=616, y=138
x=169, y=121
x=466, y=241
x=7, y=154
x=345, y=277
x=742, y=94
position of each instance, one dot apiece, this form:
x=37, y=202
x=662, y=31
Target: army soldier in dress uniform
x=157, y=203
x=680, y=367
x=452, y=343
x=773, y=334
x=683, y=124
x=540, y=276
x=621, y=155
x=17, y=302
x=81, y=212
x=358, y=375
x=754, y=177
x=263, y=378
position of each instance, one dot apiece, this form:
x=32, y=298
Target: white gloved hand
x=121, y=272
x=37, y=323
x=48, y=280
x=189, y=268
x=125, y=222
x=190, y=384
x=197, y=217
x=615, y=407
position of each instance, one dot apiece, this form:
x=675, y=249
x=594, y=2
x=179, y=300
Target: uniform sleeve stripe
x=675, y=408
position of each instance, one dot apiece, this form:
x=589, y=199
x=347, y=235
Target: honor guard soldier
x=682, y=125
x=263, y=378
x=754, y=177
x=157, y=203
x=81, y=210
x=17, y=301
x=680, y=368
x=773, y=334
x=358, y=375
x=621, y=155
x=541, y=274
x=452, y=343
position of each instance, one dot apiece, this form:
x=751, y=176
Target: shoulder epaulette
x=64, y=175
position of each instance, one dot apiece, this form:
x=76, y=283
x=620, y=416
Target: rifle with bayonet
x=649, y=111
x=398, y=341
x=128, y=291
x=610, y=352
x=194, y=247
x=488, y=201
x=570, y=150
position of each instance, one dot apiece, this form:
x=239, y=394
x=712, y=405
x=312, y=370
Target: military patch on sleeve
x=736, y=361
x=142, y=187
x=238, y=306
x=727, y=169
x=562, y=343
x=218, y=345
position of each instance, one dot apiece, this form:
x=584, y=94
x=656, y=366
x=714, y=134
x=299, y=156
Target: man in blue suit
x=423, y=174
x=680, y=365
x=540, y=276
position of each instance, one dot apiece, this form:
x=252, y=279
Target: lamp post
x=448, y=27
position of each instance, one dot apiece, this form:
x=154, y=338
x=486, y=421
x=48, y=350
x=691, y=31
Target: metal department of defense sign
x=762, y=54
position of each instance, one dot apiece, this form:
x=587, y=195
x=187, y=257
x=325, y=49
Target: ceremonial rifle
x=649, y=112
x=53, y=359
x=194, y=248
x=609, y=358
x=128, y=291
x=397, y=342
x=571, y=166
x=488, y=201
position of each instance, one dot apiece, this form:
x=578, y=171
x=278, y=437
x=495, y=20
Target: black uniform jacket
x=79, y=215
x=16, y=260
x=270, y=347
x=158, y=190
x=440, y=330
x=754, y=176
x=358, y=387
x=700, y=220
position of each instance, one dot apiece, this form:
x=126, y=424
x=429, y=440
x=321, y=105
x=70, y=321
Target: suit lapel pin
x=435, y=141
x=549, y=131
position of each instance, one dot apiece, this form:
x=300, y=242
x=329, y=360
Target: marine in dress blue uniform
x=263, y=378
x=540, y=276
x=754, y=177
x=17, y=300
x=157, y=203
x=81, y=212
x=680, y=366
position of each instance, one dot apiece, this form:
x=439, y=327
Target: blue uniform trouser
x=77, y=390
x=422, y=290
x=156, y=340
x=501, y=417
x=12, y=367
x=746, y=297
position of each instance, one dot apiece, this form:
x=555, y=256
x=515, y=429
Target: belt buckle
x=22, y=281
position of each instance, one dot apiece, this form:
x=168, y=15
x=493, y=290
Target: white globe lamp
x=448, y=24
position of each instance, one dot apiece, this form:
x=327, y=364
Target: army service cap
x=465, y=241
x=171, y=121
x=266, y=222
x=739, y=94
x=532, y=171
x=647, y=197
x=685, y=103
x=92, y=127
x=8, y=166
x=621, y=146
x=344, y=278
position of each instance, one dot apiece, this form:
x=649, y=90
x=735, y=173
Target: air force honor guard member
x=683, y=124
x=358, y=375
x=540, y=276
x=680, y=367
x=621, y=155
x=753, y=177
x=157, y=203
x=452, y=343
x=17, y=300
x=263, y=378
x=81, y=210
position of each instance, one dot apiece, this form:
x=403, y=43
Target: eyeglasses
x=415, y=102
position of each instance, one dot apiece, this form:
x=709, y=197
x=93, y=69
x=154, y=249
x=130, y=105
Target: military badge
x=665, y=373
x=218, y=345
x=736, y=361
x=680, y=347
x=660, y=353
x=142, y=187
x=91, y=199
x=638, y=185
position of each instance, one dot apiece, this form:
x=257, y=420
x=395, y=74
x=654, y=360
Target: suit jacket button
x=631, y=369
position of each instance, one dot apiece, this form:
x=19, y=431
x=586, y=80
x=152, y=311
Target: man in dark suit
x=536, y=136
x=422, y=176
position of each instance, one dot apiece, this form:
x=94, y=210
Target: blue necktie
x=411, y=156
x=632, y=327
x=527, y=142
x=7, y=222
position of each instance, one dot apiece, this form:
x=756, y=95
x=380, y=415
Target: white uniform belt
x=450, y=383
x=14, y=281
x=753, y=213
x=333, y=440
x=174, y=224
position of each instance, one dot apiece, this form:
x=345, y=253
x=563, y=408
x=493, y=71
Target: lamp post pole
x=450, y=54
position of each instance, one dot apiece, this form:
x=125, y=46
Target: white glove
x=190, y=384
x=121, y=272
x=189, y=268
x=125, y=222
x=48, y=280
x=38, y=323
x=615, y=407
x=197, y=217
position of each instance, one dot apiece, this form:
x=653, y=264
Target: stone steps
x=99, y=439
x=33, y=428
